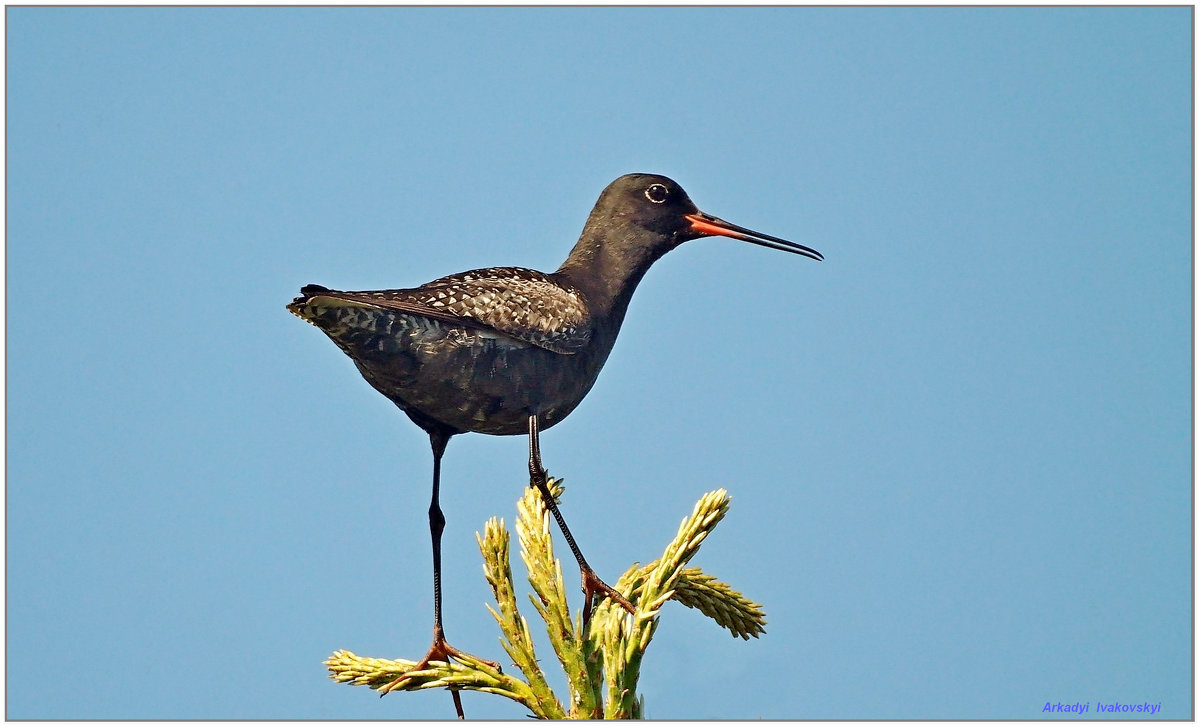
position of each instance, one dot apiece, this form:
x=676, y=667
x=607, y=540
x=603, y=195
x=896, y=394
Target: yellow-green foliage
x=602, y=669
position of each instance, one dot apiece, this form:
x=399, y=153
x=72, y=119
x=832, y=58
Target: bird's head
x=661, y=207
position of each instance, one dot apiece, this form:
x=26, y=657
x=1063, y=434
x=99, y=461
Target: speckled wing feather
x=517, y=302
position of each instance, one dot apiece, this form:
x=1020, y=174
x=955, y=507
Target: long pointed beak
x=703, y=224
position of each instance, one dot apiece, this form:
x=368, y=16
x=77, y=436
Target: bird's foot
x=440, y=650
x=592, y=585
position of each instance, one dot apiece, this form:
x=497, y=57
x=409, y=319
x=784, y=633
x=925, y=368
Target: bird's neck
x=606, y=266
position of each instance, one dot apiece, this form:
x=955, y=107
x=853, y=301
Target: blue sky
x=959, y=449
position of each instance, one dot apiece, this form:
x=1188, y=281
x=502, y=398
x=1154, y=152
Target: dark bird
x=513, y=350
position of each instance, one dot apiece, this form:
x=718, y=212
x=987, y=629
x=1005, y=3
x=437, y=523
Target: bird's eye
x=656, y=193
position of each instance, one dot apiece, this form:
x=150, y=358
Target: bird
x=513, y=351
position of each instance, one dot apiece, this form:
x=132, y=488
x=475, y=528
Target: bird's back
x=476, y=351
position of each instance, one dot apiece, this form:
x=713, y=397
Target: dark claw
x=440, y=650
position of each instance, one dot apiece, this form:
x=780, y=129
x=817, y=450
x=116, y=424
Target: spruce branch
x=626, y=640
x=602, y=666
x=514, y=629
x=345, y=666
x=546, y=578
x=720, y=602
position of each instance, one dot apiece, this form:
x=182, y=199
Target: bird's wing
x=523, y=304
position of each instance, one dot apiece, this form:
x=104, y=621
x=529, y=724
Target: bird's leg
x=591, y=582
x=440, y=650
